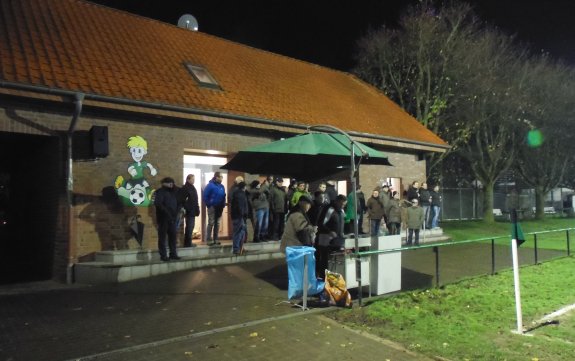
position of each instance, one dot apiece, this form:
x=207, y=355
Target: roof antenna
x=188, y=21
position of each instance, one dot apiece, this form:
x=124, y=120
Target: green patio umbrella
x=309, y=156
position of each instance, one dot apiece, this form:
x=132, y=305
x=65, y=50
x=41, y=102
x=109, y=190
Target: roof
x=80, y=46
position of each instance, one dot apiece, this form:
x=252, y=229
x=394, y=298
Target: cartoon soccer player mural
x=135, y=191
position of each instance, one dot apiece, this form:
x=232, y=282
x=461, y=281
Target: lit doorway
x=203, y=168
x=394, y=185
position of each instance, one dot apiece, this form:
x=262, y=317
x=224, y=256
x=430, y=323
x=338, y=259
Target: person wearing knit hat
x=299, y=231
x=166, y=204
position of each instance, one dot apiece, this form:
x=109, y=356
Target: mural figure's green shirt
x=139, y=167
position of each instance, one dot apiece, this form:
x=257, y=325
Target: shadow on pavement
x=412, y=280
x=276, y=275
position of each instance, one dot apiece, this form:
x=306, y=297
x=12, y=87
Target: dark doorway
x=30, y=186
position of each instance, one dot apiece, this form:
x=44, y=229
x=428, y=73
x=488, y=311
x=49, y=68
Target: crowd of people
x=292, y=215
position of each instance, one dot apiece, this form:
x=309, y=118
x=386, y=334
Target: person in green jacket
x=350, y=213
x=415, y=219
x=299, y=191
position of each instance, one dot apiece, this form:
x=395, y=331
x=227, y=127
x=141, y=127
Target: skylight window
x=202, y=76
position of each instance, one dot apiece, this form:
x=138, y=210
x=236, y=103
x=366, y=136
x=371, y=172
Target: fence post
x=460, y=205
x=474, y=216
x=492, y=256
x=436, y=251
x=535, y=247
x=568, y=245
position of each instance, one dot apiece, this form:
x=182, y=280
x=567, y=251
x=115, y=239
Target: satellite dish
x=188, y=21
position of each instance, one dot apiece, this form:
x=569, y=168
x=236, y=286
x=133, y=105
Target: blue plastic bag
x=295, y=259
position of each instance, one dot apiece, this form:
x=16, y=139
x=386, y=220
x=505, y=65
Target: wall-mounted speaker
x=99, y=137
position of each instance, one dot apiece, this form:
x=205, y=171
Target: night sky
x=325, y=32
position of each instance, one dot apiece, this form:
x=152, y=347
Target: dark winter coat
x=239, y=203
x=424, y=197
x=393, y=211
x=188, y=198
x=278, y=199
x=384, y=198
x=331, y=226
x=166, y=204
x=259, y=198
x=330, y=192
x=375, y=209
x=412, y=193
x=435, y=198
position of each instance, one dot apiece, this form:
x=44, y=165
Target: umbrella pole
x=355, y=222
x=354, y=190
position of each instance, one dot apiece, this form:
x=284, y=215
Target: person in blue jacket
x=215, y=200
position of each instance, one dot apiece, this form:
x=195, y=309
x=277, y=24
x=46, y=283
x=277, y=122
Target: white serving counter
x=386, y=268
x=381, y=272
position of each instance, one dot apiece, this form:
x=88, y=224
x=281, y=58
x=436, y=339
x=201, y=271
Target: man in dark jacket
x=239, y=213
x=413, y=191
x=278, y=204
x=261, y=207
x=436, y=206
x=166, y=204
x=188, y=199
x=331, y=235
x=425, y=203
x=330, y=191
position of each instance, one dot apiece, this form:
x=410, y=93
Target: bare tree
x=489, y=108
x=412, y=65
x=460, y=78
x=548, y=148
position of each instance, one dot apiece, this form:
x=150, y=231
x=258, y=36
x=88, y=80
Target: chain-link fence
x=467, y=203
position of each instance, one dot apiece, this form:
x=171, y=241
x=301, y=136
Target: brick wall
x=104, y=225
x=404, y=166
x=101, y=222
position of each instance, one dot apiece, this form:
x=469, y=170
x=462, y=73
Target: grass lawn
x=473, y=319
x=468, y=230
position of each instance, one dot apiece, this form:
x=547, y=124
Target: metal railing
x=437, y=246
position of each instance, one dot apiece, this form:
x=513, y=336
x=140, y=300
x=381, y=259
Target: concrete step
x=146, y=255
x=127, y=265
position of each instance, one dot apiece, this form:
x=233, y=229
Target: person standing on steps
x=188, y=200
x=415, y=219
x=425, y=203
x=239, y=214
x=166, y=204
x=215, y=200
x=436, y=206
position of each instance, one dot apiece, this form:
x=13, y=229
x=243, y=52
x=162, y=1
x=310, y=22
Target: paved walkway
x=217, y=313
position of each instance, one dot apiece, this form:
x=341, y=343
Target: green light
x=534, y=138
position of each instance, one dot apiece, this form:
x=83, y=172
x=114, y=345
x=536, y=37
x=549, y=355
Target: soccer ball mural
x=138, y=195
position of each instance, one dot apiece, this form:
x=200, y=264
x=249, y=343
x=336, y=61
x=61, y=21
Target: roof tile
x=74, y=44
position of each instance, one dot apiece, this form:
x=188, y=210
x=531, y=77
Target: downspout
x=78, y=99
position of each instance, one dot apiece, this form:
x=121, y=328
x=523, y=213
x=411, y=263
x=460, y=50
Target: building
x=82, y=87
